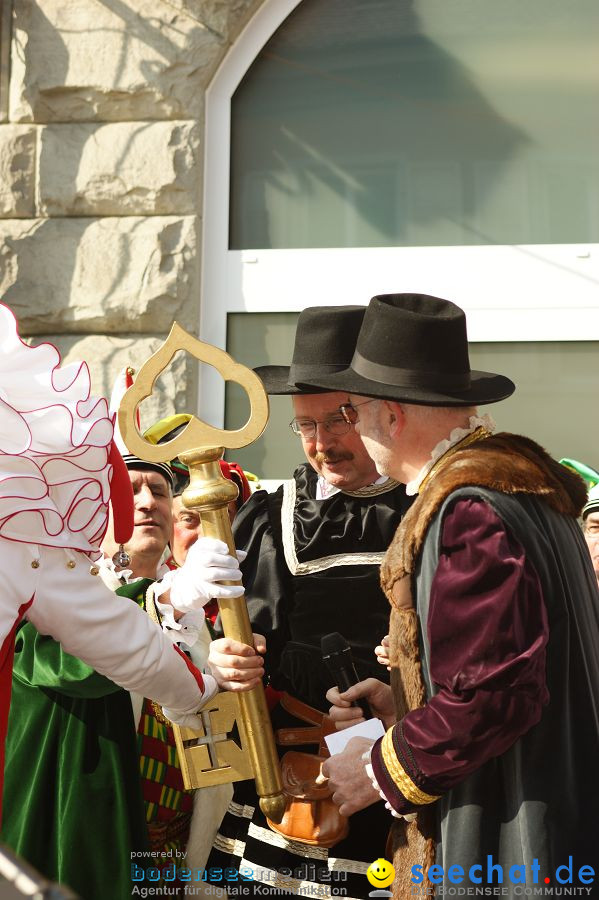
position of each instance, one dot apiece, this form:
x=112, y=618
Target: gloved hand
x=185, y=720
x=196, y=582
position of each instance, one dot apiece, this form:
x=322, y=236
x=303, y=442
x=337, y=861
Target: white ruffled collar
x=457, y=435
x=324, y=490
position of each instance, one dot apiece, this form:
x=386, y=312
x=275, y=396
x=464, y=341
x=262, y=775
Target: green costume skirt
x=73, y=805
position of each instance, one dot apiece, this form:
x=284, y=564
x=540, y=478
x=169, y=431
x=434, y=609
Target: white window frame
x=537, y=292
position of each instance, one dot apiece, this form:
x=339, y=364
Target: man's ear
x=396, y=416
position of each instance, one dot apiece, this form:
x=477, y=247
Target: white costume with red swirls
x=55, y=442
x=55, y=445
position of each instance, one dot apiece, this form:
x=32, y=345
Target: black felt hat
x=325, y=339
x=414, y=348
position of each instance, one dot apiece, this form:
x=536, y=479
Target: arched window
x=356, y=147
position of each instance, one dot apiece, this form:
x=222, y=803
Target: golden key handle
x=196, y=434
x=200, y=447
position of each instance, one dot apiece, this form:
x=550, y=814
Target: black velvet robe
x=312, y=568
x=328, y=580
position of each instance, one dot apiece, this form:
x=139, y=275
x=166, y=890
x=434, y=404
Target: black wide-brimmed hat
x=325, y=339
x=414, y=348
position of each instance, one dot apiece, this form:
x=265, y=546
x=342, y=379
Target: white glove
x=208, y=562
x=185, y=720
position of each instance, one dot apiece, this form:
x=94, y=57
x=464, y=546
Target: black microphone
x=336, y=654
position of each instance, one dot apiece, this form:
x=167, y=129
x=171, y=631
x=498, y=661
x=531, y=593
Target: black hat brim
x=485, y=387
x=276, y=381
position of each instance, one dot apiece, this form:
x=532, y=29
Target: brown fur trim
x=412, y=842
x=404, y=658
x=507, y=463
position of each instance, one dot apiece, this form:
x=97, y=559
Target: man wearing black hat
x=494, y=635
x=312, y=568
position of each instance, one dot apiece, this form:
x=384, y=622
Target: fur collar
x=507, y=463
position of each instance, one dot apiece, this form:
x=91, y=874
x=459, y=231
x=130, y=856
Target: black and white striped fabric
x=279, y=867
x=134, y=462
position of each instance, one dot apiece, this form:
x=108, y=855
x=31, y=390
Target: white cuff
x=409, y=817
x=186, y=629
x=211, y=688
x=193, y=719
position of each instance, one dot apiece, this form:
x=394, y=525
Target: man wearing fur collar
x=493, y=735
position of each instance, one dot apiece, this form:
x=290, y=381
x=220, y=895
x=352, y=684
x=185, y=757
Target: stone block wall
x=101, y=160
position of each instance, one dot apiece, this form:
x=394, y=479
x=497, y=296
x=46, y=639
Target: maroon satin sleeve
x=487, y=628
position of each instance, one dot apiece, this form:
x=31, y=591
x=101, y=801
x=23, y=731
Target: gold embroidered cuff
x=399, y=775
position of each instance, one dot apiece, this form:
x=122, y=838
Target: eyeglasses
x=306, y=428
x=349, y=411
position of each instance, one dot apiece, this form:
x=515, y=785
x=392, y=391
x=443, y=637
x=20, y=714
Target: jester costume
x=58, y=464
x=92, y=759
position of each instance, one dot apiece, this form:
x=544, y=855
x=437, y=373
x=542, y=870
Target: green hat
x=591, y=476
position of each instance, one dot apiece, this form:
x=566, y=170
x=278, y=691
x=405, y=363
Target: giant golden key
x=237, y=741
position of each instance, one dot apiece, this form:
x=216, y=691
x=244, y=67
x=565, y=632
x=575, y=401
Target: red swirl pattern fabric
x=54, y=447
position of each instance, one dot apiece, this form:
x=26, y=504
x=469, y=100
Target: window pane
x=555, y=401
x=260, y=339
x=557, y=391
x=426, y=123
